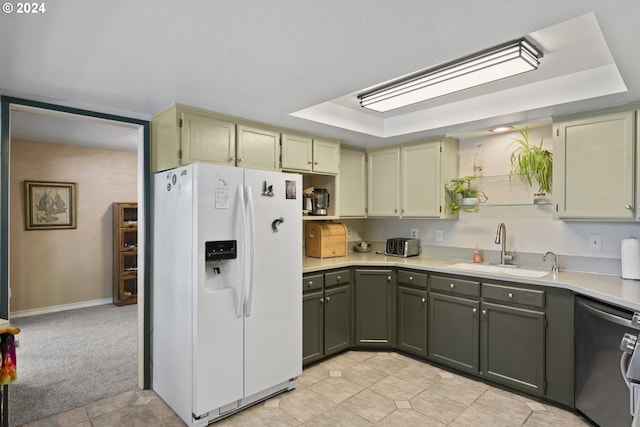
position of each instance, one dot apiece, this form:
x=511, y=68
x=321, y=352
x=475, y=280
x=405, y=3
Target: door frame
x=5, y=140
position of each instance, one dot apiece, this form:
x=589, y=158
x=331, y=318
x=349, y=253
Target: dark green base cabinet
x=326, y=314
x=374, y=301
x=411, y=311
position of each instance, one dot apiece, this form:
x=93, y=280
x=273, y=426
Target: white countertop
x=604, y=287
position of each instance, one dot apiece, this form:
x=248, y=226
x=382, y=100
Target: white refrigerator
x=227, y=300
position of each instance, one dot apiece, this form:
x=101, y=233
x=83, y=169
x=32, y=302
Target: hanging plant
x=463, y=196
x=531, y=162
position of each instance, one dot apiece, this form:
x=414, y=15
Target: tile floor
x=352, y=389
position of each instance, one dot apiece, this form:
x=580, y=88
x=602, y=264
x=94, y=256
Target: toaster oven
x=402, y=247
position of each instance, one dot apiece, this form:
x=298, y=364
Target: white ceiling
x=265, y=60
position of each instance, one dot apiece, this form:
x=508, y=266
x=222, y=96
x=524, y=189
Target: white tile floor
x=352, y=389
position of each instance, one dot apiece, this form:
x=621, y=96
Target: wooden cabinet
x=383, y=176
x=411, y=312
x=258, y=148
x=125, y=253
x=181, y=135
x=593, y=168
x=307, y=154
x=454, y=323
x=327, y=314
x=409, y=180
x=353, y=183
x=374, y=307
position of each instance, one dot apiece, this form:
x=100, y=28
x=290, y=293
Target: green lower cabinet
x=412, y=320
x=312, y=326
x=374, y=308
x=454, y=332
x=513, y=347
x=337, y=319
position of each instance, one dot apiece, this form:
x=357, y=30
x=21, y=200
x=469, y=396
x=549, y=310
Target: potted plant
x=463, y=196
x=531, y=161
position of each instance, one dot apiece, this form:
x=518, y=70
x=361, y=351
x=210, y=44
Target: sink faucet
x=501, y=237
x=555, y=267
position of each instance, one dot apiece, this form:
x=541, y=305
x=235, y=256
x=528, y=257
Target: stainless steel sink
x=488, y=268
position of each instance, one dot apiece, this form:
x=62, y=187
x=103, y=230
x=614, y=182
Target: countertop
x=608, y=288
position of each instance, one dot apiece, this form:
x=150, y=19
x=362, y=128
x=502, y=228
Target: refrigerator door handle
x=251, y=255
x=241, y=287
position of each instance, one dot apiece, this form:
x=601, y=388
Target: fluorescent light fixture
x=501, y=129
x=508, y=59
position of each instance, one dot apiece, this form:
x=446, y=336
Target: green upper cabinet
x=593, y=168
x=258, y=148
x=306, y=154
x=353, y=183
x=384, y=183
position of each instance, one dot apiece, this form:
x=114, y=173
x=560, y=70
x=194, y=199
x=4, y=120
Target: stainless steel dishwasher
x=601, y=393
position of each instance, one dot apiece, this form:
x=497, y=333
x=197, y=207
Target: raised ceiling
x=269, y=60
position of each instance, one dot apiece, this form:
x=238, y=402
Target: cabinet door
x=374, y=308
x=421, y=180
x=454, y=332
x=337, y=319
x=297, y=152
x=207, y=139
x=412, y=320
x=312, y=324
x=353, y=183
x=326, y=157
x=383, y=178
x=593, y=174
x=513, y=347
x=258, y=148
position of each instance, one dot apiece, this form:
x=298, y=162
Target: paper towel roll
x=630, y=258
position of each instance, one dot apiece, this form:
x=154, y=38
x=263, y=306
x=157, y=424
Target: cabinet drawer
x=455, y=286
x=337, y=277
x=313, y=282
x=510, y=294
x=412, y=278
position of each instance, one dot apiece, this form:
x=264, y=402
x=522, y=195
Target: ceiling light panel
x=493, y=64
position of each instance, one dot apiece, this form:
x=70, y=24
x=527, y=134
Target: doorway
x=9, y=105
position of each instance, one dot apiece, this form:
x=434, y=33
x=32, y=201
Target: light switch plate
x=439, y=235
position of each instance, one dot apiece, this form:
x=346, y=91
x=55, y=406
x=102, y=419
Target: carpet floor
x=70, y=358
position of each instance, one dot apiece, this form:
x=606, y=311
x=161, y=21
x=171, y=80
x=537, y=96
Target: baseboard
x=56, y=308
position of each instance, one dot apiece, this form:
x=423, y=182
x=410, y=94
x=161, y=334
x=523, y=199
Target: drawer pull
x=510, y=295
x=388, y=278
x=338, y=278
x=328, y=299
x=484, y=312
x=410, y=277
x=452, y=286
x=423, y=300
x=474, y=310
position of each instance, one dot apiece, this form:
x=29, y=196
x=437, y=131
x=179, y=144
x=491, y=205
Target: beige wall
x=57, y=267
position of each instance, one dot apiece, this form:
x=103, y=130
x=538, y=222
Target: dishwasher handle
x=622, y=321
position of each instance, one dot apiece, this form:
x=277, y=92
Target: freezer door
x=217, y=328
x=273, y=309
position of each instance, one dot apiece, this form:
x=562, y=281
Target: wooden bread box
x=325, y=239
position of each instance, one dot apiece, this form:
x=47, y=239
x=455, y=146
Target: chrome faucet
x=555, y=267
x=501, y=237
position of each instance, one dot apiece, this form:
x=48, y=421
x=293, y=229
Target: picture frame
x=50, y=205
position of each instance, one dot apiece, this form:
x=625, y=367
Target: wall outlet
x=414, y=233
x=439, y=235
x=595, y=242
x=348, y=231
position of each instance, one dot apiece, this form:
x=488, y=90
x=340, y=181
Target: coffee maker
x=319, y=202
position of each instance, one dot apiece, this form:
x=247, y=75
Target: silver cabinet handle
x=232, y=159
x=410, y=277
x=629, y=207
x=338, y=278
x=321, y=300
x=452, y=286
x=309, y=284
x=510, y=295
x=474, y=310
x=328, y=299
x=388, y=278
x=423, y=300
x=484, y=312
x=241, y=159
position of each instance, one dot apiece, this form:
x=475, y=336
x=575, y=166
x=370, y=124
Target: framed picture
x=50, y=205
